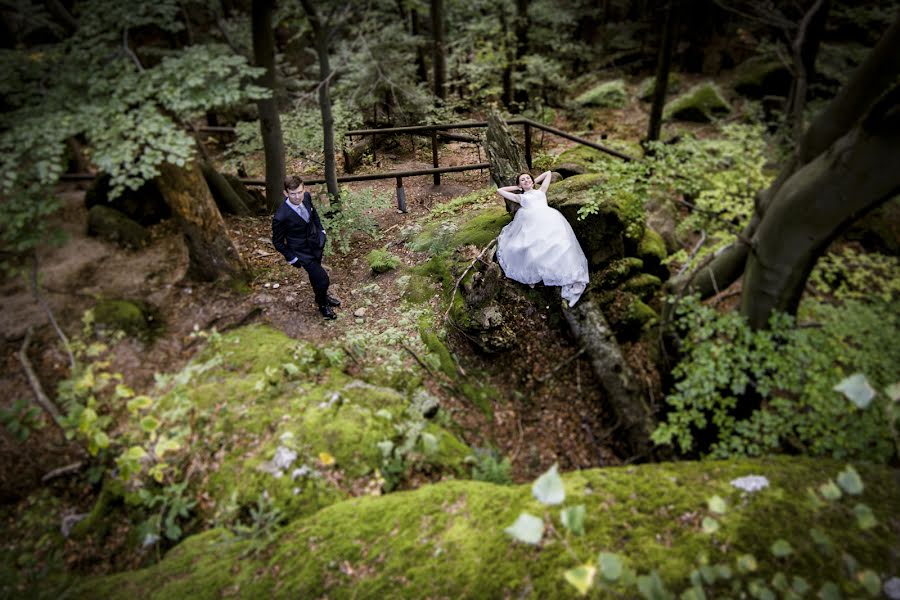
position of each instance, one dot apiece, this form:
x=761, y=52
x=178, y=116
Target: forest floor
x=542, y=415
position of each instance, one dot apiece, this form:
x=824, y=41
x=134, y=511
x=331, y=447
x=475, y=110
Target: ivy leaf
x=582, y=578
x=610, y=566
x=865, y=518
x=781, y=549
x=573, y=518
x=717, y=505
x=710, y=525
x=527, y=528
x=870, y=581
x=830, y=491
x=850, y=481
x=548, y=489
x=857, y=390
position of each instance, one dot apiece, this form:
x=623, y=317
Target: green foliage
x=356, y=215
x=609, y=94
x=793, y=372
x=21, y=419
x=477, y=198
x=847, y=273
x=488, y=465
x=171, y=506
x=382, y=261
x=703, y=102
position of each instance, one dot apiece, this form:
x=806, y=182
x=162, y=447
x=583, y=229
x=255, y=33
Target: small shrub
x=382, y=261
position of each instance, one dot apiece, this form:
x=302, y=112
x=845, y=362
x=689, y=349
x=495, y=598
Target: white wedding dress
x=539, y=245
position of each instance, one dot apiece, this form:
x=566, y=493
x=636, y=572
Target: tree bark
x=437, y=55
x=269, y=121
x=803, y=53
x=504, y=154
x=623, y=394
x=321, y=36
x=663, y=64
x=225, y=196
x=860, y=171
x=211, y=252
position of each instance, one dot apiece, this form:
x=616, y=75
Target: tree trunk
x=520, y=21
x=437, y=56
x=211, y=251
x=663, y=64
x=504, y=154
x=623, y=394
x=803, y=53
x=226, y=198
x=421, y=69
x=321, y=36
x=860, y=171
x=269, y=121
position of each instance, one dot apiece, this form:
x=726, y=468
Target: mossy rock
x=581, y=159
x=259, y=397
x=701, y=103
x=447, y=540
x=652, y=250
x=627, y=314
x=648, y=86
x=417, y=288
x=134, y=317
x=113, y=226
x=610, y=94
x=762, y=76
x=617, y=272
x=480, y=228
x=613, y=231
x=382, y=261
x=644, y=285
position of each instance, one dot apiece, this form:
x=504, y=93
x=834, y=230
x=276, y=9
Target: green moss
x=382, y=261
x=617, y=272
x=419, y=289
x=760, y=76
x=479, y=229
x=703, y=103
x=643, y=285
x=134, y=317
x=439, y=349
x=437, y=269
x=648, y=85
x=628, y=315
x=436, y=541
x=610, y=94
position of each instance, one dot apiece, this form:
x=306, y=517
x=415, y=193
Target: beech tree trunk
x=211, y=251
x=224, y=195
x=803, y=53
x=321, y=36
x=623, y=394
x=269, y=121
x=504, y=154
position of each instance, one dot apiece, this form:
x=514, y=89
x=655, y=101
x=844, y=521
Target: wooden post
x=401, y=196
x=528, y=144
x=348, y=168
x=434, y=156
x=373, y=149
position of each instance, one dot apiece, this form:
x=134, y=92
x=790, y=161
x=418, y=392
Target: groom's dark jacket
x=296, y=238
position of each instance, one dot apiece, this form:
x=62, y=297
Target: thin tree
x=663, y=64
x=438, y=58
x=269, y=120
x=321, y=34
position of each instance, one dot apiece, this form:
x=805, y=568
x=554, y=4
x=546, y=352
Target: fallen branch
x=66, y=470
x=40, y=397
x=693, y=253
x=466, y=272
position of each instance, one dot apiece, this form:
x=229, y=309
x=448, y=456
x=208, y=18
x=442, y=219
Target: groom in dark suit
x=298, y=234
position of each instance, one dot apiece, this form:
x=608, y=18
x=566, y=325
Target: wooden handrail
x=389, y=175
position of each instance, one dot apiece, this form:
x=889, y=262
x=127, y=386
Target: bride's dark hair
x=519, y=176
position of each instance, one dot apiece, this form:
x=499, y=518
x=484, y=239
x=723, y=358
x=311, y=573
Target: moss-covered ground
x=447, y=540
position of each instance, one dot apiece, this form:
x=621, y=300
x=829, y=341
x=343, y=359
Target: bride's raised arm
x=507, y=192
x=544, y=179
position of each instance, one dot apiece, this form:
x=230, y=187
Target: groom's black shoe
x=332, y=301
x=327, y=313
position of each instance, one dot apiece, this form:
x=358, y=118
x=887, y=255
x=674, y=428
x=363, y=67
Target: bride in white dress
x=539, y=244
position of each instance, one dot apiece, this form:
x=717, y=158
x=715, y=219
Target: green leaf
x=582, y=578
x=830, y=491
x=717, y=505
x=857, y=390
x=850, y=481
x=651, y=587
x=746, y=563
x=708, y=573
x=829, y=591
x=693, y=593
x=100, y=439
x=799, y=585
x=149, y=424
x=429, y=443
x=710, y=525
x=573, y=518
x=781, y=548
x=548, y=489
x=139, y=403
x=865, y=518
x=870, y=581
x=893, y=392
x=527, y=528
x=610, y=566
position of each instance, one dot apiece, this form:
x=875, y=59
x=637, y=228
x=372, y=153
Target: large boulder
x=609, y=94
x=702, y=103
x=762, y=76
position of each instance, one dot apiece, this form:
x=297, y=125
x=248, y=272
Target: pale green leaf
x=710, y=525
x=573, y=518
x=893, y=392
x=548, y=489
x=139, y=403
x=651, y=587
x=746, y=563
x=581, y=578
x=829, y=591
x=717, y=505
x=830, y=491
x=850, y=481
x=149, y=424
x=527, y=528
x=610, y=566
x=865, y=518
x=870, y=581
x=781, y=548
x=856, y=389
